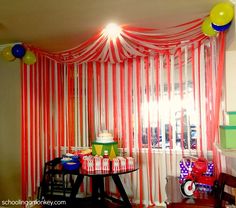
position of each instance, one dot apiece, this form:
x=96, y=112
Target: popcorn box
x=105, y=164
x=115, y=164
x=122, y=162
x=88, y=163
x=129, y=163
x=98, y=162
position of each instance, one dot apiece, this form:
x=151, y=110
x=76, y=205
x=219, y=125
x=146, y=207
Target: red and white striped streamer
x=143, y=86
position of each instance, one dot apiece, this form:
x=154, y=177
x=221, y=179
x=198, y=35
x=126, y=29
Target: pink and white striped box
x=129, y=163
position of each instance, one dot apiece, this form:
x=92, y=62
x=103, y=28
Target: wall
x=10, y=168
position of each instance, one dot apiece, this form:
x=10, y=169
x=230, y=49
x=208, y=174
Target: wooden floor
x=81, y=203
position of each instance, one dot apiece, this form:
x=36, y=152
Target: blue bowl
x=71, y=165
x=66, y=160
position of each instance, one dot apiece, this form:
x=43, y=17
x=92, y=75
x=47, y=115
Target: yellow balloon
x=29, y=57
x=207, y=28
x=7, y=54
x=222, y=14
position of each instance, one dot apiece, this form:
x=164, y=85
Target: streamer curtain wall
x=64, y=105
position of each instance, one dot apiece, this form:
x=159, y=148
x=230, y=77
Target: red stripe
x=71, y=100
x=123, y=123
x=62, y=98
x=23, y=134
x=81, y=102
x=112, y=48
x=59, y=108
x=181, y=98
x=31, y=142
x=199, y=98
x=220, y=71
x=53, y=106
x=156, y=61
x=138, y=91
x=36, y=122
x=149, y=130
x=130, y=109
x=26, y=132
x=106, y=95
x=48, y=109
x=44, y=108
x=98, y=74
x=90, y=103
x=40, y=116
x=193, y=73
x=114, y=101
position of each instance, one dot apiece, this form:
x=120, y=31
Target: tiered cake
x=105, y=141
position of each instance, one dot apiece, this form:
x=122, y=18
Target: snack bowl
x=71, y=165
x=66, y=160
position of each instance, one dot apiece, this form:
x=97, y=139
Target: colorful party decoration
x=7, y=54
x=207, y=28
x=29, y=58
x=222, y=14
x=221, y=28
x=18, y=51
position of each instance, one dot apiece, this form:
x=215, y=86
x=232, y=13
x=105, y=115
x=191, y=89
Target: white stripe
x=172, y=104
x=135, y=107
x=117, y=52
x=118, y=68
x=162, y=102
x=84, y=107
x=203, y=100
x=102, y=87
x=126, y=112
x=96, y=115
x=78, y=106
x=197, y=99
x=110, y=97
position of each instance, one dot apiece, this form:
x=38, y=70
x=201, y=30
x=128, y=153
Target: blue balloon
x=18, y=50
x=222, y=27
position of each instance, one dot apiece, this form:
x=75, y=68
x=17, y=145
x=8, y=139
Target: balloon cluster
x=10, y=53
x=219, y=20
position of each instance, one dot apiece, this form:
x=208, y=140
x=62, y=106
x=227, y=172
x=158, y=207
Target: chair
x=53, y=181
x=222, y=196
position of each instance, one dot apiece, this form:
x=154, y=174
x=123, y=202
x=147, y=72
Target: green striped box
x=228, y=137
x=232, y=118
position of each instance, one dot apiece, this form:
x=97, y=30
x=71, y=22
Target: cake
x=104, y=143
x=104, y=137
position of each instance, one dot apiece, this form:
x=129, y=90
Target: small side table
x=98, y=194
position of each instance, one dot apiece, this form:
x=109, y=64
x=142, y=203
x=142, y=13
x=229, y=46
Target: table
x=98, y=194
x=177, y=200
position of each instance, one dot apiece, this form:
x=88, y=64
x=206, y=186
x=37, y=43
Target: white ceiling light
x=112, y=31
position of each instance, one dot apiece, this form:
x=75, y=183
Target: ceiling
x=56, y=25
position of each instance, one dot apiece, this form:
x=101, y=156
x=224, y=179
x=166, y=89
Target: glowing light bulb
x=112, y=31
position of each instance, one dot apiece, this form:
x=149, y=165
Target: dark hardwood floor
x=87, y=203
